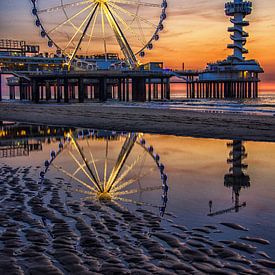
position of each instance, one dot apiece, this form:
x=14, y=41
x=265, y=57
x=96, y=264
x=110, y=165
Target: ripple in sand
x=255, y=240
x=234, y=226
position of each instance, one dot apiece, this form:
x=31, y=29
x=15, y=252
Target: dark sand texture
x=44, y=230
x=175, y=122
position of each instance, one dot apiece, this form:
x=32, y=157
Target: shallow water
x=207, y=201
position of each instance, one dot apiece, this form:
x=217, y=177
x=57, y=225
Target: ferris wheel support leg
x=121, y=39
x=82, y=37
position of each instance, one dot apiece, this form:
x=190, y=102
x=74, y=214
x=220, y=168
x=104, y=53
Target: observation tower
x=236, y=76
x=238, y=10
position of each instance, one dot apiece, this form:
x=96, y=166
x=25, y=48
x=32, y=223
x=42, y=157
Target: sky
x=195, y=33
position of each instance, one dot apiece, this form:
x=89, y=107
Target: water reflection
x=236, y=179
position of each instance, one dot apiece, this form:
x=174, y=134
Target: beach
x=148, y=120
x=45, y=230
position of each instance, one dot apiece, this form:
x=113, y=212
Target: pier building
x=234, y=77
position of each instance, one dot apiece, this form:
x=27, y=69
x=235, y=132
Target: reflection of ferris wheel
x=111, y=167
x=101, y=26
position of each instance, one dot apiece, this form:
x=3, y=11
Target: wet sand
x=45, y=230
x=175, y=122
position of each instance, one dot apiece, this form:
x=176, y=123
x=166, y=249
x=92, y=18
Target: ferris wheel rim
x=148, y=44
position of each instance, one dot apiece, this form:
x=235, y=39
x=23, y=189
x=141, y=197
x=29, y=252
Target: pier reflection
x=236, y=179
x=18, y=140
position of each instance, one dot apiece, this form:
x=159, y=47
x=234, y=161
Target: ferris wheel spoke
x=93, y=161
x=106, y=162
x=89, y=193
x=136, y=3
x=126, y=172
x=132, y=14
x=79, y=29
x=71, y=18
x=139, y=190
x=103, y=31
x=60, y=7
x=92, y=30
x=131, y=181
x=82, y=36
x=77, y=147
x=122, y=41
x=124, y=153
x=73, y=177
x=128, y=26
x=82, y=168
x=139, y=203
x=141, y=30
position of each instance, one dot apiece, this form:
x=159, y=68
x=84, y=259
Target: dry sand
x=44, y=230
x=175, y=122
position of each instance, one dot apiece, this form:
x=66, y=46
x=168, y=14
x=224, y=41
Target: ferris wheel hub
x=104, y=196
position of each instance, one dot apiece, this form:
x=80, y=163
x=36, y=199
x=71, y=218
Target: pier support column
x=155, y=91
x=119, y=90
x=12, y=92
x=127, y=90
x=109, y=91
x=35, y=91
x=167, y=89
x=139, y=89
x=58, y=90
x=149, y=90
x=249, y=89
x=123, y=90
x=103, y=89
x=66, y=90
x=81, y=90
x=48, y=90
x=161, y=89
x=21, y=89
x=0, y=87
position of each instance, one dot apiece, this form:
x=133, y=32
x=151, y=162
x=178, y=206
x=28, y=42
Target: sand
x=45, y=230
x=122, y=118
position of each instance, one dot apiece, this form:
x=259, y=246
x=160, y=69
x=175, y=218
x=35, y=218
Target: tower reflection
x=236, y=179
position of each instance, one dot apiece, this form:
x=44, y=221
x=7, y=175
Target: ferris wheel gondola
x=93, y=27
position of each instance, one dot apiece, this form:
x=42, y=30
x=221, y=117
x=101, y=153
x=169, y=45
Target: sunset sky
x=195, y=32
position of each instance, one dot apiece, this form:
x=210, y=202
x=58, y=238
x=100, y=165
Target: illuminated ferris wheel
x=98, y=27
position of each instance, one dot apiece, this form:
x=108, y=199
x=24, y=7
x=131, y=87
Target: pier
x=95, y=85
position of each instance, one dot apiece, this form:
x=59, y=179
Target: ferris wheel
x=110, y=167
x=98, y=27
